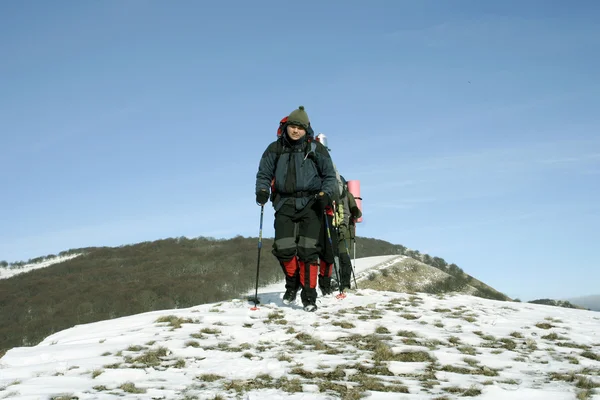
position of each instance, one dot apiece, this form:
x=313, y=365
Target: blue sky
x=472, y=126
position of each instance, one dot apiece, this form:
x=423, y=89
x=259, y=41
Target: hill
x=376, y=344
x=407, y=275
x=557, y=303
x=80, y=286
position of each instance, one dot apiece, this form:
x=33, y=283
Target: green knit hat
x=299, y=117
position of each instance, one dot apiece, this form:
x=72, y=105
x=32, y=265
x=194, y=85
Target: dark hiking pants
x=297, y=235
x=344, y=257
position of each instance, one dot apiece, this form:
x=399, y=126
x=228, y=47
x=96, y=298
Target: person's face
x=295, y=132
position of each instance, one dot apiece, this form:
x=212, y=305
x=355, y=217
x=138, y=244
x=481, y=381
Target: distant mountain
x=557, y=303
x=589, y=302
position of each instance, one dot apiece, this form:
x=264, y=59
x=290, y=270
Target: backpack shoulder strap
x=310, y=150
x=278, y=151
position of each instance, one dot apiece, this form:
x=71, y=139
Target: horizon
x=472, y=127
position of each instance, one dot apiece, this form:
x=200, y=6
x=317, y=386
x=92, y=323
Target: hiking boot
x=309, y=299
x=310, y=307
x=289, y=296
x=325, y=285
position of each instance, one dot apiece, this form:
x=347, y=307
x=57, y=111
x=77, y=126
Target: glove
x=356, y=214
x=322, y=200
x=262, y=196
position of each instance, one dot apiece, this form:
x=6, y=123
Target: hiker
x=341, y=231
x=347, y=213
x=328, y=238
x=304, y=181
x=328, y=241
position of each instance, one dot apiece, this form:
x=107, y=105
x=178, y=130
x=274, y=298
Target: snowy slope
x=361, y=267
x=382, y=345
x=6, y=273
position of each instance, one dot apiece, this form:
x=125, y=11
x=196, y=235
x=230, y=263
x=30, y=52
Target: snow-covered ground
x=362, y=266
x=6, y=273
x=380, y=345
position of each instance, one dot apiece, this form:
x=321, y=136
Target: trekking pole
x=354, y=267
x=354, y=256
x=335, y=258
x=262, y=213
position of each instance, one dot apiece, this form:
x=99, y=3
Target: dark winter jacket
x=303, y=169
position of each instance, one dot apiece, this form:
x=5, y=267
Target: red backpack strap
x=281, y=124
